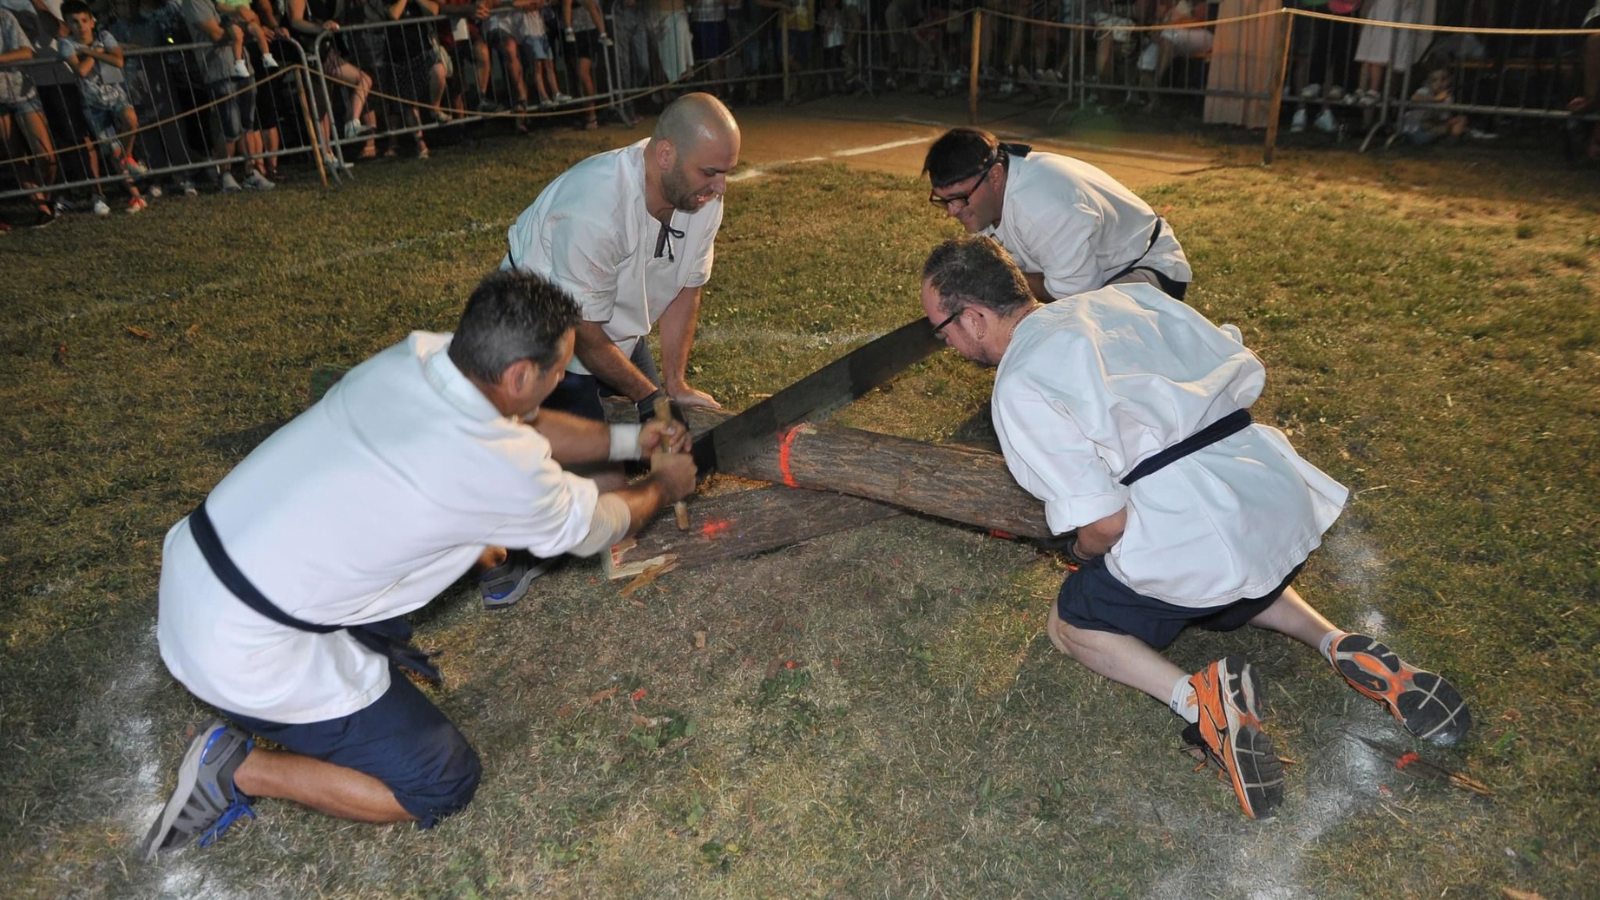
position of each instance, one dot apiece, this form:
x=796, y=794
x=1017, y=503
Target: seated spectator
x=19, y=100
x=308, y=21
x=1426, y=126
x=413, y=71
x=241, y=21
x=1189, y=43
x=97, y=60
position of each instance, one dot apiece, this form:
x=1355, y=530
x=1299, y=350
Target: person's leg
x=586, y=84
x=1290, y=614
x=37, y=131
x=329, y=789
x=1119, y=657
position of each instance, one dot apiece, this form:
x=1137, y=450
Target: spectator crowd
x=144, y=97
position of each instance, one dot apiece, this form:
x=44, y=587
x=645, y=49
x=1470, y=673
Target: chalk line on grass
x=758, y=171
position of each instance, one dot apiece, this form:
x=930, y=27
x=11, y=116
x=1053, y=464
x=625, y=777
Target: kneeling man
x=1127, y=413
x=281, y=594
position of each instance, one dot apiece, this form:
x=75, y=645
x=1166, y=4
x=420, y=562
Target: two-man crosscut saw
x=832, y=387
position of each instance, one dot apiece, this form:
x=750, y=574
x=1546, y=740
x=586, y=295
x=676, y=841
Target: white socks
x=1183, y=702
x=1325, y=646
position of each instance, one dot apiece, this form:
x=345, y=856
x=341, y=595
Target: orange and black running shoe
x=1429, y=706
x=1229, y=731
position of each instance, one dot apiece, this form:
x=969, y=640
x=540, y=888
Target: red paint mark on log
x=1002, y=535
x=1406, y=760
x=783, y=456
x=713, y=528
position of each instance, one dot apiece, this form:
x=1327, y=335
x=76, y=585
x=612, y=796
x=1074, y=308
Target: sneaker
x=206, y=801
x=1311, y=92
x=440, y=116
x=569, y=36
x=133, y=166
x=605, y=41
x=44, y=218
x=154, y=191
x=268, y=62
x=1326, y=122
x=137, y=205
x=62, y=206
x=422, y=150
x=229, y=184
x=256, y=181
x=99, y=206
x=241, y=69
x=546, y=103
x=485, y=105
x=1369, y=98
x=354, y=129
x=1429, y=706
x=1298, y=123
x=188, y=188
x=1478, y=134
x=1334, y=93
x=507, y=583
x=1229, y=731
x=562, y=98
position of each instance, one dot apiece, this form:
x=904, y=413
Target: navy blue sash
x=390, y=638
x=1232, y=423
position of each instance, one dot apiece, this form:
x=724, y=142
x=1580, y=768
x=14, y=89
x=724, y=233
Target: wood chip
x=699, y=640
x=1514, y=894
x=138, y=332
x=670, y=562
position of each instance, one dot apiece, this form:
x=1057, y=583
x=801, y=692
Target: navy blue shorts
x=402, y=740
x=1093, y=599
x=579, y=394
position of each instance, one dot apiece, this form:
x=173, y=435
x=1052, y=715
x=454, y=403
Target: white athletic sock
x=1325, y=646
x=1183, y=702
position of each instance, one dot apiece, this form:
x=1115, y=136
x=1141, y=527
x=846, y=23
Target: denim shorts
x=28, y=104
x=538, y=46
x=105, y=122
x=237, y=114
x=402, y=740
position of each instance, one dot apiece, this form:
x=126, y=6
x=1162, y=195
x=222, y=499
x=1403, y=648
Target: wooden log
x=729, y=526
x=962, y=484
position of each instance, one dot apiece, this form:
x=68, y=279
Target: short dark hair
x=512, y=315
x=73, y=7
x=974, y=270
x=959, y=154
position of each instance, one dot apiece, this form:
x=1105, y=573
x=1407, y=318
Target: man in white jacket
x=1126, y=412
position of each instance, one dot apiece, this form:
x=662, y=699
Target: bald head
x=696, y=119
x=695, y=145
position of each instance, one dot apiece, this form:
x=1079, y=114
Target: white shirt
x=590, y=232
x=1079, y=226
x=1093, y=384
x=363, y=508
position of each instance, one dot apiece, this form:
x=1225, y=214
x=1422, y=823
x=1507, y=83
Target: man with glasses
x=630, y=233
x=1127, y=413
x=1070, y=227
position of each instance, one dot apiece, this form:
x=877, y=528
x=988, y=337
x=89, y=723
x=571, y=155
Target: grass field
x=876, y=713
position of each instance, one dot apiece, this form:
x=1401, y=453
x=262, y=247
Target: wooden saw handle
x=680, y=510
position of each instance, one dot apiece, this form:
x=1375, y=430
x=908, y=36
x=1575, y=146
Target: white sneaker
x=354, y=129
x=1326, y=123
x=268, y=61
x=1298, y=123
x=256, y=181
x=240, y=69
x=1311, y=91
x=229, y=183
x=1370, y=98
x=154, y=191
x=561, y=98
x=100, y=208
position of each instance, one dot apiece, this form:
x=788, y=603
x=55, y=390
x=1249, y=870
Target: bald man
x=630, y=233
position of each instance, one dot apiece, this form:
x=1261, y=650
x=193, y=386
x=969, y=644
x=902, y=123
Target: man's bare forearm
x=602, y=358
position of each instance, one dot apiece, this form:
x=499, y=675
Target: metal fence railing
x=343, y=90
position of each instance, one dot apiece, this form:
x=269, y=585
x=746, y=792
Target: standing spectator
x=235, y=96
x=830, y=28
x=97, y=59
x=746, y=21
x=530, y=30
x=414, y=71
x=1323, y=51
x=150, y=87
x=632, y=55
x=1380, y=47
x=1244, y=58
x=501, y=27
x=585, y=32
x=669, y=25
x=19, y=99
x=798, y=20
x=708, y=19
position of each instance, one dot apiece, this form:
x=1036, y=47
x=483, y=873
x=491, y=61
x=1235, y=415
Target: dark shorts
x=579, y=394
x=236, y=112
x=587, y=45
x=710, y=39
x=1093, y=599
x=402, y=740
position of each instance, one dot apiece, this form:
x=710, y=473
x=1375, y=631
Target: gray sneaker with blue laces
x=206, y=801
x=508, y=582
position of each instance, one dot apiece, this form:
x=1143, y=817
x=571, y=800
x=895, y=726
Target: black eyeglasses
x=955, y=203
x=946, y=323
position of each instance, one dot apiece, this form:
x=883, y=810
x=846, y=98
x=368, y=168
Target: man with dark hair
x=631, y=234
x=282, y=594
x=1126, y=412
x=1069, y=226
